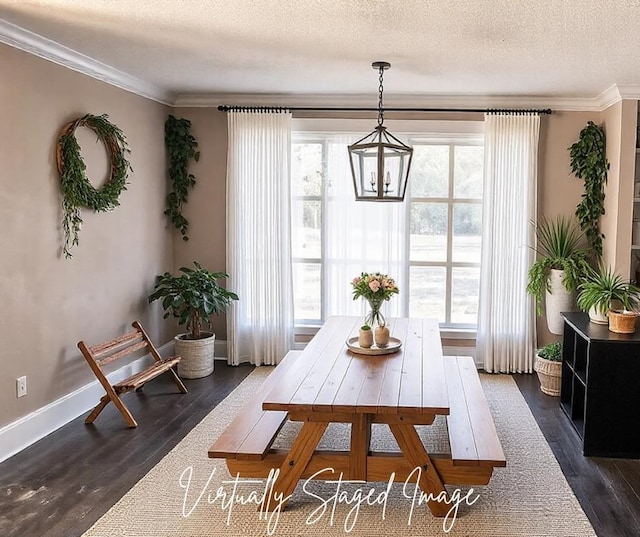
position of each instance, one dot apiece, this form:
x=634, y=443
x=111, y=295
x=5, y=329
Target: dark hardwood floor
x=65, y=482
x=608, y=489
x=61, y=485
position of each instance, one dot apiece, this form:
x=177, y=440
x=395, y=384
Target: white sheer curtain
x=362, y=236
x=260, y=324
x=506, y=319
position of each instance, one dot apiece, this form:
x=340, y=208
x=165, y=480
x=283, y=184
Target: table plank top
x=328, y=377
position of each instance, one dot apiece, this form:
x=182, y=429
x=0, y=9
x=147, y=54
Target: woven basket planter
x=550, y=375
x=197, y=355
x=622, y=323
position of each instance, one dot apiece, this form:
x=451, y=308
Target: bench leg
x=430, y=481
x=104, y=401
x=294, y=465
x=125, y=412
x=177, y=380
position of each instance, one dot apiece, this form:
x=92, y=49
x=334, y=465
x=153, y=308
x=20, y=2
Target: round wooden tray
x=394, y=346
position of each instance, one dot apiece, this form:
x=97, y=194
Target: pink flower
x=374, y=285
x=356, y=281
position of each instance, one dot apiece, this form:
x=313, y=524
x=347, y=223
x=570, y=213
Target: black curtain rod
x=234, y=108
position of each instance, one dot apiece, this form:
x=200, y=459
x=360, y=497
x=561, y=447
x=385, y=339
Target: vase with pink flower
x=375, y=288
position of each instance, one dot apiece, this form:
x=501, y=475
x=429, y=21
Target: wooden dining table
x=329, y=383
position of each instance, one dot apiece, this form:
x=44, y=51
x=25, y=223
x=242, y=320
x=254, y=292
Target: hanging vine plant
x=589, y=162
x=182, y=147
x=77, y=191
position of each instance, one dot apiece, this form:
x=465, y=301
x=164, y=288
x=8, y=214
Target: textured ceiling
x=555, y=48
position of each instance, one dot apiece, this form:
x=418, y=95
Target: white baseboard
x=220, y=349
x=27, y=430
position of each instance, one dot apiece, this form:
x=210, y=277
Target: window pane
x=306, y=291
x=306, y=225
x=427, y=292
x=467, y=230
x=429, y=173
x=465, y=285
x=306, y=169
x=428, y=229
x=468, y=171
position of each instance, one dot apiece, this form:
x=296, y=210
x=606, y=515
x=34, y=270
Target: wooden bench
x=472, y=433
x=251, y=434
x=475, y=446
x=98, y=356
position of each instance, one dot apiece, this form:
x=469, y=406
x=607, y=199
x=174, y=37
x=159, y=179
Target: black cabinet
x=600, y=390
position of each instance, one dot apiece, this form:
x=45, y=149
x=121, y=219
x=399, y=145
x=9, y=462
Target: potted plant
x=603, y=290
x=192, y=297
x=365, y=336
x=561, y=265
x=549, y=368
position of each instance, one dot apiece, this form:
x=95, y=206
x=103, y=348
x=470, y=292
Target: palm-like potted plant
x=562, y=263
x=549, y=368
x=192, y=297
x=603, y=290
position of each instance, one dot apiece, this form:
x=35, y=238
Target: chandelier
x=380, y=162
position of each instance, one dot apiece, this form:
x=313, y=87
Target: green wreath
x=77, y=191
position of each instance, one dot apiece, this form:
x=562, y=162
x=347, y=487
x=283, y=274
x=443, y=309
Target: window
x=307, y=187
x=430, y=244
x=445, y=209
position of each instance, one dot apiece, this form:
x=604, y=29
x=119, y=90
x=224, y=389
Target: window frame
x=451, y=201
x=314, y=139
x=418, y=132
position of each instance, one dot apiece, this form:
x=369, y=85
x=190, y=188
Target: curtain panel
x=506, y=318
x=260, y=324
x=360, y=237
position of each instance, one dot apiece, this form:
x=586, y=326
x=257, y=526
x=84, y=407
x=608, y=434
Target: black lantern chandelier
x=380, y=162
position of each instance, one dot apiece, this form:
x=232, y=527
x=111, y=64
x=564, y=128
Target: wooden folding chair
x=106, y=353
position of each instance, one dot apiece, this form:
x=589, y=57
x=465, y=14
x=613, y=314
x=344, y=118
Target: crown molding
x=35, y=44
x=609, y=97
x=629, y=92
x=20, y=38
x=400, y=101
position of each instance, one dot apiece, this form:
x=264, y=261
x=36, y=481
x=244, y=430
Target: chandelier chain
x=380, y=90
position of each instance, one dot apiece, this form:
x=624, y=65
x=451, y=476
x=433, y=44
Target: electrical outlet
x=21, y=386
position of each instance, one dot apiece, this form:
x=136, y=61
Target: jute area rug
x=187, y=494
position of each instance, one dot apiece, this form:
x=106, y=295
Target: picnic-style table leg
x=359, y=449
x=294, y=465
x=414, y=451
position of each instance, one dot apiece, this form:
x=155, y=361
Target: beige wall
x=619, y=123
x=50, y=303
x=559, y=191
x=206, y=209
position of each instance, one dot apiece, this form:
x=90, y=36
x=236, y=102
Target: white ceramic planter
x=597, y=316
x=557, y=300
x=197, y=356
